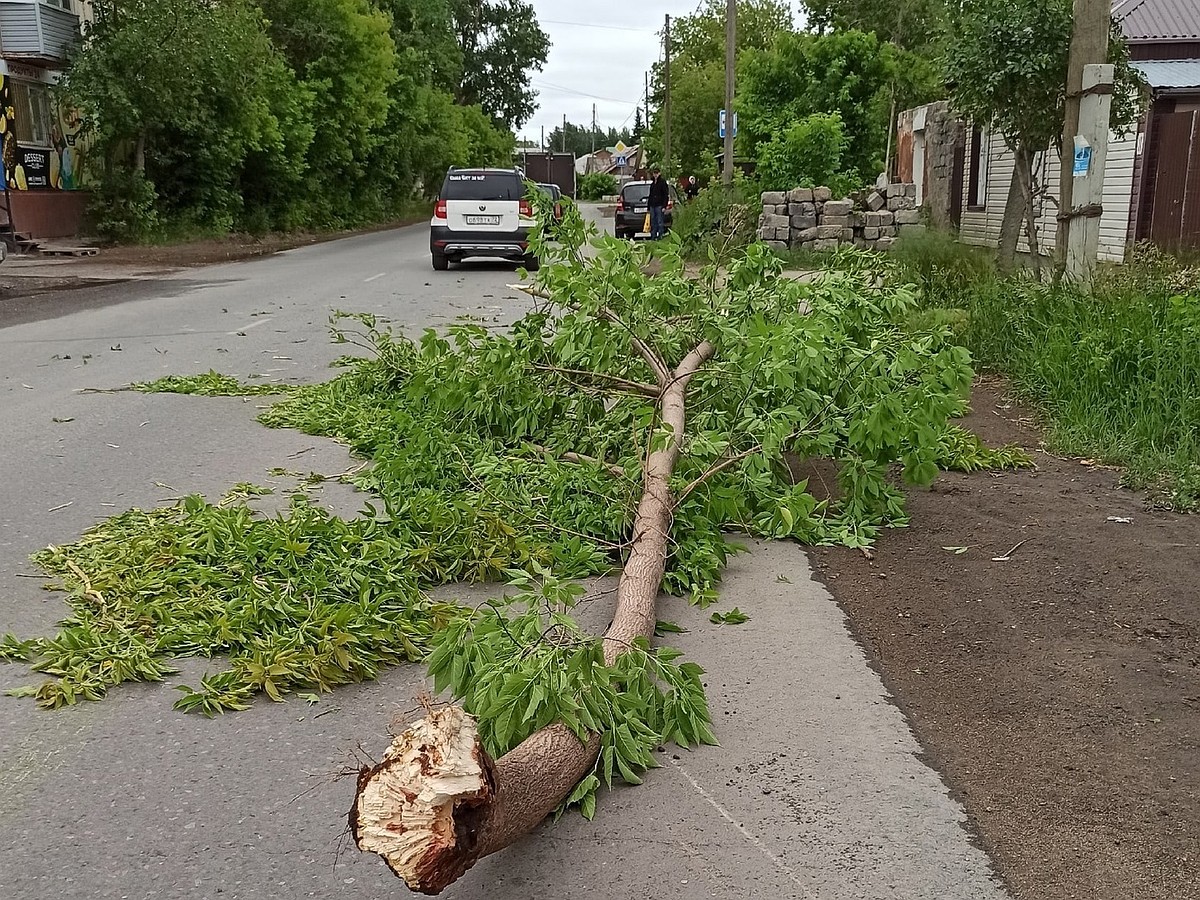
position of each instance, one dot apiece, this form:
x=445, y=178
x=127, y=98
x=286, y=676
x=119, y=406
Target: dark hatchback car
x=554, y=192
x=633, y=207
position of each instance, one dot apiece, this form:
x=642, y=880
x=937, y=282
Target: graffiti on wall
x=60, y=166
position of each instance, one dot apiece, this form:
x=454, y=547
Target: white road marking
x=374, y=278
x=263, y=321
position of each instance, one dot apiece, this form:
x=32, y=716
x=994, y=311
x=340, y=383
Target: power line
x=596, y=25
x=567, y=90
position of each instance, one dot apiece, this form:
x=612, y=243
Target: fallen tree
x=726, y=372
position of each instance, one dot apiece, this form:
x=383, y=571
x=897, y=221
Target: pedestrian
x=660, y=196
x=693, y=187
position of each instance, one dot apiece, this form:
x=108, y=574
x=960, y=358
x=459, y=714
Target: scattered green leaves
x=734, y=617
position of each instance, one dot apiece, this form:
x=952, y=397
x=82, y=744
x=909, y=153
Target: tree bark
x=1023, y=174
x=1014, y=213
x=437, y=803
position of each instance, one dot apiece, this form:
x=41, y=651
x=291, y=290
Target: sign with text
x=721, y=125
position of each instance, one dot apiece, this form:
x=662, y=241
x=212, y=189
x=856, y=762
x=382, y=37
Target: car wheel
x=623, y=235
x=531, y=263
x=440, y=262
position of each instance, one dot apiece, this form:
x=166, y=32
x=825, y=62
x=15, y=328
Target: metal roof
x=1170, y=74
x=1150, y=21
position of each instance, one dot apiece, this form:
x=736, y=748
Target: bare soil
x=1058, y=690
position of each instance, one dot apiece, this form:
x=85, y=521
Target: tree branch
x=633, y=387
x=582, y=459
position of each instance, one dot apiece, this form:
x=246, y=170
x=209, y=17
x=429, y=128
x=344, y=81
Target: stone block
x=778, y=246
x=847, y=235
x=774, y=198
x=801, y=209
x=895, y=203
x=908, y=216
x=885, y=244
x=871, y=233
x=887, y=218
x=876, y=201
x=839, y=207
x=895, y=189
x=822, y=194
x=766, y=234
x=805, y=235
x=823, y=245
x=800, y=195
x=829, y=233
x=777, y=221
x=872, y=220
x=910, y=190
x=804, y=221
x=881, y=183
x=828, y=219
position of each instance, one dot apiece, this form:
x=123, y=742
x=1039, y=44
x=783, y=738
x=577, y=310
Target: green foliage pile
x=808, y=153
x=517, y=457
x=597, y=186
x=281, y=114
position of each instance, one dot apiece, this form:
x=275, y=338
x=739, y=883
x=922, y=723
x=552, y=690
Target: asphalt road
x=818, y=789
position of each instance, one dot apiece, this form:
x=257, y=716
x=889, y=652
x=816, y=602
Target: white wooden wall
x=983, y=227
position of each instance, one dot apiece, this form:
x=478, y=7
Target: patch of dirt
x=1058, y=691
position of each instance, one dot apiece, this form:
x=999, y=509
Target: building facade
x=44, y=147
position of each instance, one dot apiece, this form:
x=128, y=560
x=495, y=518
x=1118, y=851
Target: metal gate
x=1175, y=210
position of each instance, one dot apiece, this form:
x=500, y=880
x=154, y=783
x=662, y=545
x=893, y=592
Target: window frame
x=978, y=176
x=24, y=92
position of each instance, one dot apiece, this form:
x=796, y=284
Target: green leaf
x=734, y=617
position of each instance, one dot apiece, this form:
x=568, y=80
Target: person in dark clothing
x=660, y=196
x=693, y=187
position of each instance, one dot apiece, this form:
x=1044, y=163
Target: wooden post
x=730, y=72
x=1088, y=188
x=667, y=99
x=1089, y=46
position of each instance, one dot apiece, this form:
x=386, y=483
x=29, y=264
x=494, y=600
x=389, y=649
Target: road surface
x=818, y=789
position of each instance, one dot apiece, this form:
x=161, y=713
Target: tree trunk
x=437, y=803
x=1014, y=212
x=139, y=153
x=1023, y=174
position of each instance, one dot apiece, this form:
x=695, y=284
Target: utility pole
x=730, y=66
x=1089, y=46
x=667, y=99
x=564, y=141
x=647, y=123
x=593, y=129
x=542, y=145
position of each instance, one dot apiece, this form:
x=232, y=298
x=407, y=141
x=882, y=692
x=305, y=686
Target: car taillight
x=526, y=209
x=558, y=210
x=439, y=211
x=620, y=204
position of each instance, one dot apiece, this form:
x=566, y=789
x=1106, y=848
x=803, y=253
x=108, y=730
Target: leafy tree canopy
x=910, y=24
x=501, y=43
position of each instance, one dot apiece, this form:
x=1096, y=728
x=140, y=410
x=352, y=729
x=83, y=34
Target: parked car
x=482, y=212
x=555, y=193
x=633, y=207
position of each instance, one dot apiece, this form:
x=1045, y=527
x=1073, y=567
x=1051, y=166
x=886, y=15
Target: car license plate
x=483, y=220
x=641, y=209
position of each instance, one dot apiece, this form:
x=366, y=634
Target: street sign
x=620, y=149
x=621, y=161
x=721, y=126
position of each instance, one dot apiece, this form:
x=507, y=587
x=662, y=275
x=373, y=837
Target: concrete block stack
x=810, y=219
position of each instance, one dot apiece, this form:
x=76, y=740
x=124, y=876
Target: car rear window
x=482, y=186
x=636, y=193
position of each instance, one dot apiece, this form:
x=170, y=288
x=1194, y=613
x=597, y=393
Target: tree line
x=285, y=114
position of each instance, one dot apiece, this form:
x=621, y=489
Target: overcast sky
x=600, y=54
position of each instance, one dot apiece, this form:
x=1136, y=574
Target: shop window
x=32, y=103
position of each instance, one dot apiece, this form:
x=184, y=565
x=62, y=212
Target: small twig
x=635, y=387
x=30, y=575
x=582, y=459
x=61, y=506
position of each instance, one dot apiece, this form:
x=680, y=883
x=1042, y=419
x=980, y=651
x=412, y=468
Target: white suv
x=482, y=212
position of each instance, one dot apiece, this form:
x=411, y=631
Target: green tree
x=807, y=154
x=342, y=50
x=909, y=24
x=501, y=43
x=191, y=108
x=846, y=72
x=1006, y=62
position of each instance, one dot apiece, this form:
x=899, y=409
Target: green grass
x=1116, y=372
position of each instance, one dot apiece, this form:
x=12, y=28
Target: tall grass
x=1116, y=372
